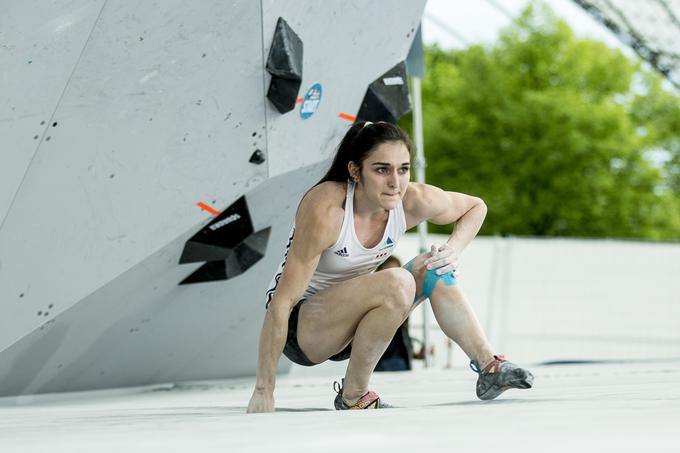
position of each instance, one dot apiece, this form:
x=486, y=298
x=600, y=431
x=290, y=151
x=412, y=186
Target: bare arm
x=468, y=214
x=296, y=275
x=318, y=223
x=425, y=202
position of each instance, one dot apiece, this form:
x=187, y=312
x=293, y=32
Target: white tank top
x=347, y=258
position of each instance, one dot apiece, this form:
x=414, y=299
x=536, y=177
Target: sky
x=458, y=23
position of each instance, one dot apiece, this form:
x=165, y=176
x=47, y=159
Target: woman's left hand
x=442, y=257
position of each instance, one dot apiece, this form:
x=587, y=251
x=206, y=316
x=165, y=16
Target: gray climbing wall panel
x=41, y=56
x=158, y=110
x=143, y=328
x=348, y=44
x=157, y=116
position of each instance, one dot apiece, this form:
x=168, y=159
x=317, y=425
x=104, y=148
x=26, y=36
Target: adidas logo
x=342, y=252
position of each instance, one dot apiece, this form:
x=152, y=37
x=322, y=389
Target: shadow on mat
x=494, y=402
x=304, y=409
x=242, y=409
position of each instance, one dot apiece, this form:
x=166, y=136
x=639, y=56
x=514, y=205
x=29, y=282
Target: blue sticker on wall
x=311, y=101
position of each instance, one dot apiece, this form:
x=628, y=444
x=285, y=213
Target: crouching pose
x=326, y=301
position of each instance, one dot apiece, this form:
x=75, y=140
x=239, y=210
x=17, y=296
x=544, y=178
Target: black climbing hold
x=284, y=63
x=386, y=98
x=216, y=241
x=241, y=257
x=209, y=272
x=228, y=245
x=257, y=157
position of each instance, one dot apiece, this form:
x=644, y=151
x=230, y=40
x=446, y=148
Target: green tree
x=554, y=132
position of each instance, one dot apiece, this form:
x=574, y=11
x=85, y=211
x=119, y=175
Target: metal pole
x=420, y=177
x=496, y=260
x=506, y=297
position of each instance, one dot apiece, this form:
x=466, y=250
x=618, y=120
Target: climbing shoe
x=499, y=376
x=370, y=400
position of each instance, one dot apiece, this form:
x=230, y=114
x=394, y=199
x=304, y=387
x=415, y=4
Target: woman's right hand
x=261, y=401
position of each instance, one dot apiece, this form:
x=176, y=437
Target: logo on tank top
x=342, y=252
x=389, y=243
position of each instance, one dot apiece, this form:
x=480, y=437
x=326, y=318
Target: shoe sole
x=341, y=406
x=521, y=379
x=380, y=406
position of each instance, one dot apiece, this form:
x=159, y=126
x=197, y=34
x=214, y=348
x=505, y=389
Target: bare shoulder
x=425, y=202
x=326, y=198
x=321, y=211
x=420, y=195
x=331, y=190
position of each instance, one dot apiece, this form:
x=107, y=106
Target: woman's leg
x=365, y=311
x=456, y=318
x=453, y=313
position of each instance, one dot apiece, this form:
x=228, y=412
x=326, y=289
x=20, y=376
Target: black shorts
x=292, y=349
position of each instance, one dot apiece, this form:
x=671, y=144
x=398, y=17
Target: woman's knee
x=400, y=287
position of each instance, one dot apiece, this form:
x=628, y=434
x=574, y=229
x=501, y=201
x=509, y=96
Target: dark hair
x=358, y=142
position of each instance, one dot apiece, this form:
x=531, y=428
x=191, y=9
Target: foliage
x=554, y=132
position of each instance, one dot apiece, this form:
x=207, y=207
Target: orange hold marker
x=347, y=117
x=205, y=207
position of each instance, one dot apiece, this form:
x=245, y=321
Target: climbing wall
x=152, y=159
